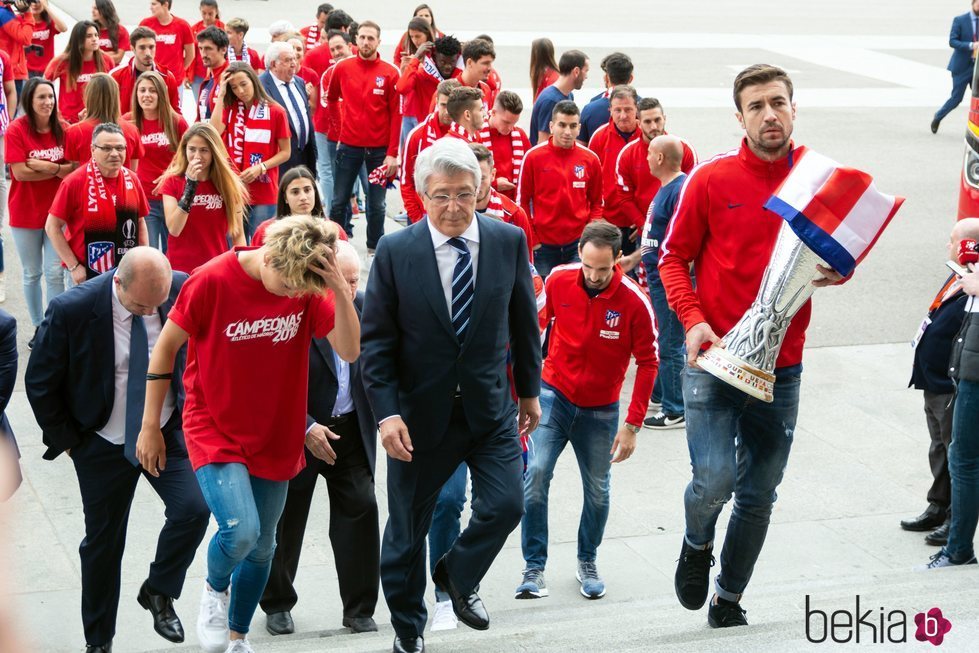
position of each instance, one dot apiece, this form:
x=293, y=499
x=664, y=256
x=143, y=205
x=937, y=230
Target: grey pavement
x=859, y=463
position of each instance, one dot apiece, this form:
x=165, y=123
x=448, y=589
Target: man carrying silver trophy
x=763, y=226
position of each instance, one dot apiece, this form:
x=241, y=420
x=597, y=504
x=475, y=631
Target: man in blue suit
x=449, y=298
x=281, y=83
x=86, y=382
x=963, y=40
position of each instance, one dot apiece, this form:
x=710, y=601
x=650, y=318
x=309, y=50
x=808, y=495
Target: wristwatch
x=632, y=427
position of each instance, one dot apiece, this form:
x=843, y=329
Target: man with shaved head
x=929, y=373
x=665, y=159
x=345, y=459
x=86, y=381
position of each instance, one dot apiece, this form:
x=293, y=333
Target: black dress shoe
x=102, y=648
x=934, y=126
x=409, y=645
x=165, y=621
x=360, y=624
x=279, y=623
x=468, y=607
x=930, y=519
x=939, y=536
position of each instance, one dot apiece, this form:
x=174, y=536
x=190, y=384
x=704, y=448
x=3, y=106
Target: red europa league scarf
x=250, y=131
x=516, y=147
x=111, y=222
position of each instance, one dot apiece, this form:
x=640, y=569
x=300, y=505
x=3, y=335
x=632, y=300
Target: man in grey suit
x=448, y=300
x=281, y=83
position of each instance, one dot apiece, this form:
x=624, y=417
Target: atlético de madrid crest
x=612, y=319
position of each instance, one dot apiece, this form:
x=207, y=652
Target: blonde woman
x=203, y=200
x=250, y=316
x=160, y=130
x=255, y=130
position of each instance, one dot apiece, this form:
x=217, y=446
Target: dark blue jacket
x=960, y=40
x=931, y=356
x=299, y=153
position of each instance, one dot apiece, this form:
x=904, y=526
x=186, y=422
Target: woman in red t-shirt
x=36, y=156
x=113, y=37
x=75, y=66
x=255, y=130
x=160, y=130
x=408, y=44
x=41, y=50
x=298, y=195
x=249, y=316
x=203, y=200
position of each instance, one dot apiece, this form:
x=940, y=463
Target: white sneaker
x=444, y=618
x=240, y=646
x=212, y=622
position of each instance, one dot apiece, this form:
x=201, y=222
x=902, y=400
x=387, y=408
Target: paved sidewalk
x=858, y=467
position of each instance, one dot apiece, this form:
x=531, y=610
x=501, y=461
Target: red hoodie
x=607, y=143
x=635, y=187
x=371, y=116
x=593, y=339
x=721, y=227
x=560, y=190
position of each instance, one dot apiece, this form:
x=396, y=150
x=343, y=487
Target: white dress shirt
x=114, y=430
x=345, y=401
x=285, y=90
x=446, y=256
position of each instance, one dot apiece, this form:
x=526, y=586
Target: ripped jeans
x=246, y=509
x=738, y=445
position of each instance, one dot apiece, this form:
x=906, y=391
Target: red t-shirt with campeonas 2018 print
x=247, y=368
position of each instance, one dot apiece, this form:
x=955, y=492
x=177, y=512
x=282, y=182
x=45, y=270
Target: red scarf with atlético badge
x=111, y=222
x=249, y=129
x=516, y=147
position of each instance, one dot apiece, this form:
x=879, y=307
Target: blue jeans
x=324, y=167
x=671, y=340
x=548, y=257
x=445, y=520
x=247, y=510
x=963, y=465
x=591, y=432
x=737, y=445
x=407, y=124
x=959, y=84
x=37, y=257
x=349, y=162
x=156, y=225
x=258, y=214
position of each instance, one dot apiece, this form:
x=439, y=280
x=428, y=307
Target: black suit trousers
x=496, y=466
x=107, y=482
x=353, y=527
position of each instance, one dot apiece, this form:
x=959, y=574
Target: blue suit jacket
x=412, y=361
x=70, y=377
x=300, y=153
x=960, y=40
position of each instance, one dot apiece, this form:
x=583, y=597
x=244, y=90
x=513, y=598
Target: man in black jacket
x=342, y=431
x=86, y=382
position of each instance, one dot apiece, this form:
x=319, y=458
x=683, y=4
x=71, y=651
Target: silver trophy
x=747, y=358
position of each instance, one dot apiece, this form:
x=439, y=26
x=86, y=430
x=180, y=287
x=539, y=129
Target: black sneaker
x=30, y=343
x=663, y=422
x=725, y=614
x=693, y=576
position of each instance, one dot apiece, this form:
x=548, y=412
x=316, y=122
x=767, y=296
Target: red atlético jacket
x=419, y=138
x=560, y=190
x=719, y=225
x=370, y=114
x=635, y=187
x=607, y=143
x=594, y=338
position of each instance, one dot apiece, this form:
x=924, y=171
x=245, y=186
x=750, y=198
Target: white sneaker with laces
x=240, y=646
x=444, y=618
x=212, y=622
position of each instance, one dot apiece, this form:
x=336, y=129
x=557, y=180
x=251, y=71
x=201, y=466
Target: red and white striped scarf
x=459, y=131
x=249, y=129
x=4, y=116
x=431, y=133
x=495, y=207
x=245, y=55
x=312, y=37
x=516, y=147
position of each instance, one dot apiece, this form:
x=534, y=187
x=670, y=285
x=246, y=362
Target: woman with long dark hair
x=255, y=129
x=74, y=67
x=36, y=156
x=160, y=130
x=407, y=46
x=298, y=195
x=113, y=37
x=543, y=67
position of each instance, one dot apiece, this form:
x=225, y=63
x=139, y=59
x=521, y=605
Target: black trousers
x=496, y=467
x=938, y=412
x=107, y=482
x=353, y=527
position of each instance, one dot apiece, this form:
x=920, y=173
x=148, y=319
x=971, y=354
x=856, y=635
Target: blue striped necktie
x=301, y=127
x=139, y=358
x=462, y=288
